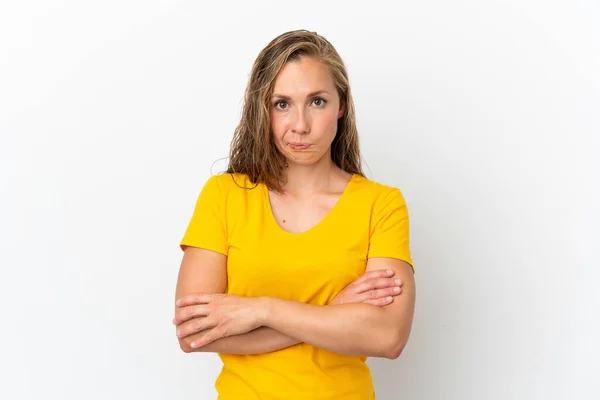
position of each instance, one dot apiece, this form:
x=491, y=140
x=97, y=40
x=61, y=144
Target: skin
x=300, y=115
x=305, y=109
x=204, y=271
x=208, y=320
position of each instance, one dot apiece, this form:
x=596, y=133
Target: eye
x=319, y=102
x=280, y=102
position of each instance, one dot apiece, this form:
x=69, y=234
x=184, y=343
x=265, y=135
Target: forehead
x=303, y=76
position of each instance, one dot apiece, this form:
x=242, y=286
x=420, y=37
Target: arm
x=353, y=329
x=205, y=271
x=259, y=341
x=205, y=318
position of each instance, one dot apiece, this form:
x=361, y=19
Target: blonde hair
x=253, y=151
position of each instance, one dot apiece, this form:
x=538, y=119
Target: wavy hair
x=253, y=151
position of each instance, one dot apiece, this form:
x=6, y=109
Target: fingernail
x=396, y=289
x=389, y=298
x=193, y=345
x=389, y=271
x=178, y=302
x=398, y=281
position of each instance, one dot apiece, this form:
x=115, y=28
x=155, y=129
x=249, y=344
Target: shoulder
x=233, y=193
x=379, y=194
x=226, y=183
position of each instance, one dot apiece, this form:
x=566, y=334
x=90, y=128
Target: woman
x=313, y=256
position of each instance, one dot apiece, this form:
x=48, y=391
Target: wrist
x=263, y=308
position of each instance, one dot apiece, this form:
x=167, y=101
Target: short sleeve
x=389, y=236
x=207, y=227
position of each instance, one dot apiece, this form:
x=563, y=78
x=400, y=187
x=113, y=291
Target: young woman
x=296, y=267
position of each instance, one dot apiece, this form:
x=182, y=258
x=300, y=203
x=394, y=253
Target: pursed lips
x=299, y=146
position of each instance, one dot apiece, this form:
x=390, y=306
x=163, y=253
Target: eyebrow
x=309, y=95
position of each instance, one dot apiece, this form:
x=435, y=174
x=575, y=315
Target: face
x=304, y=109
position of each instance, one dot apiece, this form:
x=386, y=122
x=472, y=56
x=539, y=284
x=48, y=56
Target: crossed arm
x=268, y=324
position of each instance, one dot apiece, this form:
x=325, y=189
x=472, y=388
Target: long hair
x=253, y=150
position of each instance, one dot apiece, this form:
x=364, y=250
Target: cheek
x=276, y=126
x=323, y=123
x=329, y=124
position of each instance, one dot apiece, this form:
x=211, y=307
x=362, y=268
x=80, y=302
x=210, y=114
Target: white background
x=485, y=113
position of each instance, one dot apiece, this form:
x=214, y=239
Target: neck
x=306, y=180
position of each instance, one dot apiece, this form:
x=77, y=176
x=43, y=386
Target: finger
x=389, y=291
x=382, y=301
x=207, y=338
x=378, y=273
x=378, y=283
x=183, y=314
x=194, y=326
x=197, y=298
x=379, y=293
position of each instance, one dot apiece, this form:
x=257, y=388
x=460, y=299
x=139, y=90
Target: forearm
x=352, y=329
x=259, y=341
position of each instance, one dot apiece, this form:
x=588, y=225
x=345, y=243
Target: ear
x=342, y=108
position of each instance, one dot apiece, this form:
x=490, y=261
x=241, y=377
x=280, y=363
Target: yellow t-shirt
x=233, y=216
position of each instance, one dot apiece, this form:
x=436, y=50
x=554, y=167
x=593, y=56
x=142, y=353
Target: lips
x=299, y=146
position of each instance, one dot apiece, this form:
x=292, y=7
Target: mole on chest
x=298, y=217
x=300, y=222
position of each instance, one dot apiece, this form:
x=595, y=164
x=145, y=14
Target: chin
x=302, y=161
x=304, y=158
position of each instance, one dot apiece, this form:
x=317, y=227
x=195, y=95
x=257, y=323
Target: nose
x=300, y=123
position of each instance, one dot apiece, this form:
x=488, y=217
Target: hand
x=221, y=315
x=373, y=287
